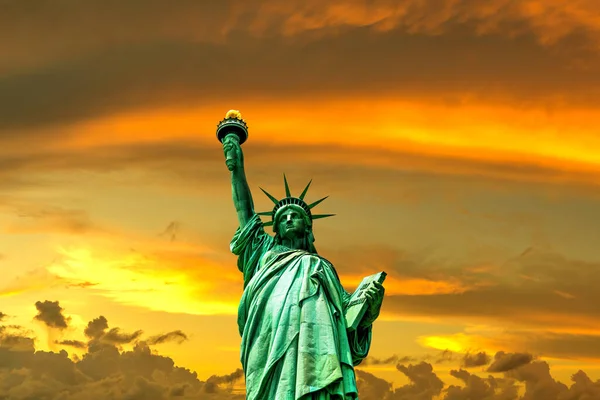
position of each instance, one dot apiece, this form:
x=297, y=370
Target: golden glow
x=411, y=286
x=34, y=280
x=458, y=343
x=386, y=127
x=9, y=292
x=140, y=281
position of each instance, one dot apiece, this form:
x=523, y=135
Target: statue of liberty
x=296, y=342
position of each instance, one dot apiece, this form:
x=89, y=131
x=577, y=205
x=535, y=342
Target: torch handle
x=230, y=157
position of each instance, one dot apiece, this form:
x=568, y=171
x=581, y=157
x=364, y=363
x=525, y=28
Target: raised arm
x=242, y=197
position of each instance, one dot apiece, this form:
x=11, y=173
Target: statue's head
x=292, y=217
x=291, y=222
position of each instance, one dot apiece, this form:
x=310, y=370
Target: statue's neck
x=294, y=244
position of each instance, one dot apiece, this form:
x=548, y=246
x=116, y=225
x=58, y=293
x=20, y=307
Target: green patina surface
x=295, y=343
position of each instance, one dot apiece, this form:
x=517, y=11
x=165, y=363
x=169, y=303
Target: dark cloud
x=102, y=373
x=96, y=327
x=145, y=389
x=92, y=25
x=445, y=356
x=99, y=24
x=72, y=343
x=476, y=360
x=425, y=384
x=109, y=373
x=168, y=66
x=117, y=337
x=538, y=289
x=499, y=17
x=440, y=358
x=504, y=362
x=98, y=77
x=51, y=314
x=477, y=388
x=136, y=374
x=393, y=360
x=404, y=360
x=17, y=341
x=583, y=387
x=171, y=230
x=523, y=291
x=539, y=384
x=559, y=345
x=371, y=387
x=101, y=337
x=81, y=285
x=16, y=347
x=528, y=304
x=177, y=335
x=212, y=383
x=2, y=316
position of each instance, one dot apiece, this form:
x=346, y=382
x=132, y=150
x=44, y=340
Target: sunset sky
x=458, y=142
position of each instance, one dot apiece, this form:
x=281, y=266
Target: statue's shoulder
x=329, y=266
x=323, y=259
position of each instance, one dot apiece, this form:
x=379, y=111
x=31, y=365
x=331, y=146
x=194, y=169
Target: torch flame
x=233, y=114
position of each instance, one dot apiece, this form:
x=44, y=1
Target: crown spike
x=273, y=199
x=268, y=213
x=305, y=190
x=268, y=223
x=287, y=188
x=317, y=202
x=317, y=216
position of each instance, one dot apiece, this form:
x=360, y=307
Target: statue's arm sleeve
x=249, y=243
x=360, y=343
x=358, y=340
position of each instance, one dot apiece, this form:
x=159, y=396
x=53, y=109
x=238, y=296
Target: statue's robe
x=295, y=345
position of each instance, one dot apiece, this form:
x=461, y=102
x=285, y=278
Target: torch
x=233, y=127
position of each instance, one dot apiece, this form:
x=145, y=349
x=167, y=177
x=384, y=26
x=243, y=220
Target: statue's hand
x=231, y=147
x=374, y=295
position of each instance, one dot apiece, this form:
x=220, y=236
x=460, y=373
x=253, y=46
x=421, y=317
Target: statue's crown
x=291, y=201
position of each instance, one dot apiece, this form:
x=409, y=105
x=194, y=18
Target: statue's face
x=291, y=224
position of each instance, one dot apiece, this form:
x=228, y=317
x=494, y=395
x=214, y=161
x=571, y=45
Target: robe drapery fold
x=295, y=345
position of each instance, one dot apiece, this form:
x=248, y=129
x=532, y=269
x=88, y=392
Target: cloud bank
x=107, y=371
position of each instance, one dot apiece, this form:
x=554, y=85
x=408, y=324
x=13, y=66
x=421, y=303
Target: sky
x=457, y=141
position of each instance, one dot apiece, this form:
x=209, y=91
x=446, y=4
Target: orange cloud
x=511, y=314
x=544, y=343
x=395, y=285
x=501, y=141
x=196, y=22
x=550, y=20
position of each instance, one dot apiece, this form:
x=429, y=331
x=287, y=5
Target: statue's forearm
x=242, y=197
x=368, y=319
